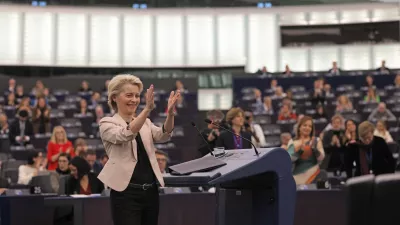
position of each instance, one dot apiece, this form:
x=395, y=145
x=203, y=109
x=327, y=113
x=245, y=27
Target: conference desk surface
x=313, y=207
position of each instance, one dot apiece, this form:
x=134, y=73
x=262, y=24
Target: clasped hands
x=172, y=100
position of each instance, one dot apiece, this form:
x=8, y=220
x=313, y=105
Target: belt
x=141, y=186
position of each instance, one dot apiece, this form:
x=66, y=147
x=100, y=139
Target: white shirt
x=25, y=174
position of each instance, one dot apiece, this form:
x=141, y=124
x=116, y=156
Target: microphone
x=205, y=141
x=223, y=128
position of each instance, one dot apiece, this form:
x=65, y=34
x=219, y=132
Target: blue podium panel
x=251, y=189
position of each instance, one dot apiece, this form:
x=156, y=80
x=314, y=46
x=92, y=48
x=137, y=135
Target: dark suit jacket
x=226, y=140
x=382, y=158
x=16, y=131
x=72, y=185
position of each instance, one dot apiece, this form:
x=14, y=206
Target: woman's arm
x=320, y=154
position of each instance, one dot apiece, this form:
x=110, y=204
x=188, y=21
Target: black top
x=143, y=173
x=73, y=186
x=228, y=141
x=382, y=160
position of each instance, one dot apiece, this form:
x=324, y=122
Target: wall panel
x=200, y=40
x=10, y=38
x=169, y=40
x=356, y=57
x=296, y=58
x=390, y=53
x=322, y=58
x=231, y=40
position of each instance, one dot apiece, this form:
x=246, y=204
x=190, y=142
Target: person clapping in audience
x=286, y=114
x=11, y=100
x=80, y=147
x=372, y=96
x=382, y=132
x=372, y=156
x=63, y=164
x=58, y=144
x=41, y=117
x=235, y=119
x=306, y=152
x=81, y=180
x=21, y=130
x=4, y=128
x=32, y=168
x=343, y=104
x=332, y=141
x=25, y=105
x=285, y=139
x=350, y=144
x=381, y=113
x=211, y=133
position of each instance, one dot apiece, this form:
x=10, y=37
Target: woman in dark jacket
x=371, y=155
x=82, y=181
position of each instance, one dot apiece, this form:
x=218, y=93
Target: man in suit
x=21, y=130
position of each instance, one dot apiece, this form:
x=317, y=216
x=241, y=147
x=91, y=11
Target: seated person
x=285, y=138
x=335, y=70
x=31, y=169
x=81, y=180
x=212, y=132
x=21, y=130
x=286, y=113
x=63, y=164
x=372, y=96
x=4, y=128
x=381, y=113
x=383, y=69
x=162, y=159
x=91, y=158
x=382, y=132
x=235, y=118
x=343, y=104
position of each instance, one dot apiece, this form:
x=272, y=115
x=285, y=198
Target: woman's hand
x=150, y=98
x=173, y=99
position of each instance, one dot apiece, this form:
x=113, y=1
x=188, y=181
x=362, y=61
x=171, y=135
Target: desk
x=313, y=207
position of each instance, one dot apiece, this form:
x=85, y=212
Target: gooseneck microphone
x=223, y=128
x=205, y=141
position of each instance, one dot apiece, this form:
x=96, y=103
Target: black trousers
x=135, y=206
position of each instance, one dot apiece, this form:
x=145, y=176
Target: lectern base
x=244, y=207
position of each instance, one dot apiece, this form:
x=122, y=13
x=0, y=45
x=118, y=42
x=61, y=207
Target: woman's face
x=128, y=100
x=39, y=84
x=306, y=128
x=83, y=103
x=380, y=126
x=74, y=171
x=369, y=79
x=238, y=120
x=11, y=97
x=60, y=134
x=41, y=103
x=99, y=111
x=285, y=109
x=350, y=126
x=38, y=159
x=342, y=100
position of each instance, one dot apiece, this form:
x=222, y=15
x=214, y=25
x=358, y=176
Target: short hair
x=90, y=152
x=336, y=117
x=215, y=114
x=161, y=152
x=115, y=85
x=364, y=128
x=63, y=154
x=232, y=113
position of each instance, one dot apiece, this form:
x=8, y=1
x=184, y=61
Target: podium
x=250, y=189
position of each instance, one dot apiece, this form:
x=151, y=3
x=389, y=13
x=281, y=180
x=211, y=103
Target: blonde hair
x=115, y=86
x=364, y=128
x=232, y=113
x=53, y=135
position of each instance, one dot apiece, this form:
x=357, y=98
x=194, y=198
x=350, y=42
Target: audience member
x=383, y=69
x=83, y=107
x=332, y=141
x=382, y=132
x=235, y=119
x=369, y=80
x=258, y=104
x=350, y=143
x=4, y=128
x=257, y=134
x=98, y=114
x=372, y=155
x=31, y=169
x=320, y=113
x=306, y=152
x=19, y=94
x=11, y=100
x=94, y=100
x=25, y=105
x=82, y=181
x=286, y=114
x=211, y=133
x=21, y=130
x=381, y=113
x=11, y=87
x=63, y=164
x=372, y=96
x=318, y=95
x=343, y=104
x=179, y=86
x=287, y=72
x=41, y=117
x=397, y=81
x=285, y=138
x=335, y=70
x=85, y=87
x=279, y=94
x=58, y=144
x=91, y=158
x=105, y=89
x=328, y=91
x=38, y=89
x=104, y=159
x=162, y=159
